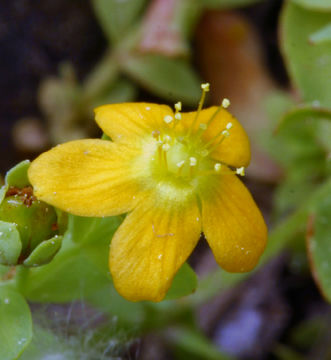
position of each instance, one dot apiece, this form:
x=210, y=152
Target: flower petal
x=125, y=122
x=233, y=225
x=151, y=245
x=235, y=149
x=86, y=177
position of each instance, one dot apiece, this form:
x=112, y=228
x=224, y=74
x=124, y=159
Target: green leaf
x=172, y=79
x=10, y=243
x=116, y=17
x=318, y=246
x=18, y=175
x=321, y=5
x=309, y=65
x=226, y=4
x=321, y=36
x=184, y=283
x=15, y=324
x=44, y=252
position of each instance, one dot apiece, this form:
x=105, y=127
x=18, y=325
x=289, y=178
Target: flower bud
x=29, y=229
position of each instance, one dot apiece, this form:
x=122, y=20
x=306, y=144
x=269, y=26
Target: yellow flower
x=175, y=176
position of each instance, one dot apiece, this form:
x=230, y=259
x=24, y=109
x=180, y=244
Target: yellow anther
x=225, y=133
x=180, y=163
x=178, y=106
x=178, y=116
x=225, y=103
x=167, y=138
x=205, y=87
x=165, y=147
x=240, y=171
x=229, y=125
x=203, y=126
x=193, y=161
x=168, y=119
x=217, y=167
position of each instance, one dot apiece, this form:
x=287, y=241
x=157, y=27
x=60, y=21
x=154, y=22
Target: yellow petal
x=235, y=149
x=233, y=224
x=151, y=245
x=131, y=121
x=86, y=177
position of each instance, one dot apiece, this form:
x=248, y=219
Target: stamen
x=225, y=103
x=205, y=89
x=240, y=171
x=168, y=119
x=229, y=125
x=225, y=133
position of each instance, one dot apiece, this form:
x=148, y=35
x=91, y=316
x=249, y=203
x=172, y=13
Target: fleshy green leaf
x=322, y=35
x=172, y=79
x=116, y=17
x=185, y=283
x=15, y=324
x=18, y=175
x=309, y=64
x=10, y=243
x=44, y=252
x=318, y=246
x=322, y=5
x=226, y=4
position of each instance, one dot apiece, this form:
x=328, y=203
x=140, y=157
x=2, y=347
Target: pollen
x=193, y=161
x=168, y=119
x=240, y=171
x=178, y=116
x=217, y=167
x=225, y=103
x=165, y=147
x=180, y=163
x=205, y=87
x=178, y=106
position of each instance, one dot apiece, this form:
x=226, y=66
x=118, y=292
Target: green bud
x=30, y=227
x=36, y=221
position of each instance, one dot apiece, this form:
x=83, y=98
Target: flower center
x=182, y=156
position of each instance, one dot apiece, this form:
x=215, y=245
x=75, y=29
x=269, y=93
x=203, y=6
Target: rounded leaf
x=10, y=243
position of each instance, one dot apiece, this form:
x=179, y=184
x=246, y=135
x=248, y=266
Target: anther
x=180, y=163
x=205, y=87
x=240, y=171
x=225, y=133
x=178, y=116
x=168, y=119
x=156, y=133
x=178, y=106
x=167, y=138
x=225, y=103
x=229, y=125
x=203, y=126
x=217, y=167
x=165, y=147
x=193, y=161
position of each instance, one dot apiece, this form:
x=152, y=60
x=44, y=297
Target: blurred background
x=272, y=59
